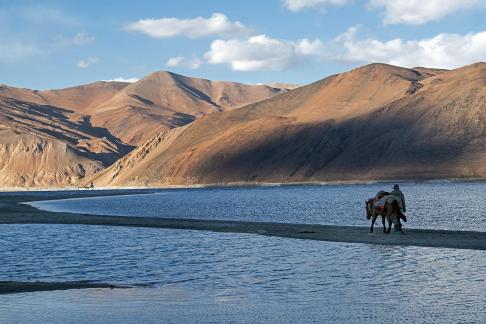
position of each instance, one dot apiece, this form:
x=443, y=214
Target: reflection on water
x=198, y=276
x=436, y=205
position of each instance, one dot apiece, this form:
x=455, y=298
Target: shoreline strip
x=12, y=211
x=333, y=233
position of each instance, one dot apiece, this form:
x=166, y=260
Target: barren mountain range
x=58, y=137
x=374, y=122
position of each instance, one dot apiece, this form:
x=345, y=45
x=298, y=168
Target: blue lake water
x=199, y=276
x=436, y=205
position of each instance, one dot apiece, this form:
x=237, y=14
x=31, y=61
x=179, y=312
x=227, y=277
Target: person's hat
x=396, y=187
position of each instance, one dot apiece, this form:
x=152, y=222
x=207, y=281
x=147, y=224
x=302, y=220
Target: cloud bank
x=416, y=12
x=261, y=53
x=216, y=25
x=122, y=79
x=441, y=51
x=412, y=12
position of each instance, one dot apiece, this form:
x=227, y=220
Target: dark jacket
x=401, y=198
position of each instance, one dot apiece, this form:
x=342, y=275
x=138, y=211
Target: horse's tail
x=396, y=208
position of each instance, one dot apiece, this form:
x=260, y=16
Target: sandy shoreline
x=13, y=212
x=240, y=184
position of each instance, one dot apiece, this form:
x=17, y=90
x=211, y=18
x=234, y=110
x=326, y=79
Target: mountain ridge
x=376, y=122
x=81, y=133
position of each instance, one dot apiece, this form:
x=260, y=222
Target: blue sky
x=55, y=44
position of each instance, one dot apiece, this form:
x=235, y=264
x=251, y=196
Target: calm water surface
x=446, y=205
x=198, y=276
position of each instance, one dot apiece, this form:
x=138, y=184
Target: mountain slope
x=58, y=137
x=42, y=145
x=374, y=122
x=79, y=98
x=165, y=100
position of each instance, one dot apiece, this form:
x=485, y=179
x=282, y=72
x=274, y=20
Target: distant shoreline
x=241, y=184
x=13, y=211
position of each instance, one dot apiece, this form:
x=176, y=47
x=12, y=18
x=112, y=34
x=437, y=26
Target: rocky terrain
x=57, y=138
x=374, y=122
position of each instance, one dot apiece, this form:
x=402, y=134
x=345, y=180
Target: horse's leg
x=383, y=221
x=373, y=220
x=388, y=217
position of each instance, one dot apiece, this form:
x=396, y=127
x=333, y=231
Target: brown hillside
x=56, y=137
x=374, y=122
x=42, y=145
x=84, y=97
x=165, y=100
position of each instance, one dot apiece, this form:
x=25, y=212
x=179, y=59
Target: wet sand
x=13, y=212
x=13, y=287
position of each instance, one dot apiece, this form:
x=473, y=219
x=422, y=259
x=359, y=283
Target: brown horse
x=390, y=209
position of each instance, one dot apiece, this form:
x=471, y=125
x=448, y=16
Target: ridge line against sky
x=56, y=44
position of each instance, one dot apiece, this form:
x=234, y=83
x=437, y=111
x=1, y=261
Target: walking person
x=399, y=196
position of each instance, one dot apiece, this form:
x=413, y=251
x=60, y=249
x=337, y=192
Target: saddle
x=381, y=199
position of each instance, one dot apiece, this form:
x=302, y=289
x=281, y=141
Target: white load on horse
x=383, y=197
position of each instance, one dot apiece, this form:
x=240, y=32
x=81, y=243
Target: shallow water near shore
x=432, y=205
x=198, y=276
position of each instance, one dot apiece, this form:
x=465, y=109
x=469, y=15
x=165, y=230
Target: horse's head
x=368, y=206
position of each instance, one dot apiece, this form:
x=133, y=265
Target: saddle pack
x=379, y=202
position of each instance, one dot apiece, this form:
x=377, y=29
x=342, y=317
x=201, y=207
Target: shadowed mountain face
x=374, y=122
x=42, y=145
x=58, y=137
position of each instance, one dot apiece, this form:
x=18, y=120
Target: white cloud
x=261, y=53
x=218, y=24
x=80, y=38
x=442, y=51
x=398, y=11
x=83, y=38
x=298, y=5
x=421, y=11
x=193, y=63
x=122, y=79
x=11, y=51
x=85, y=63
